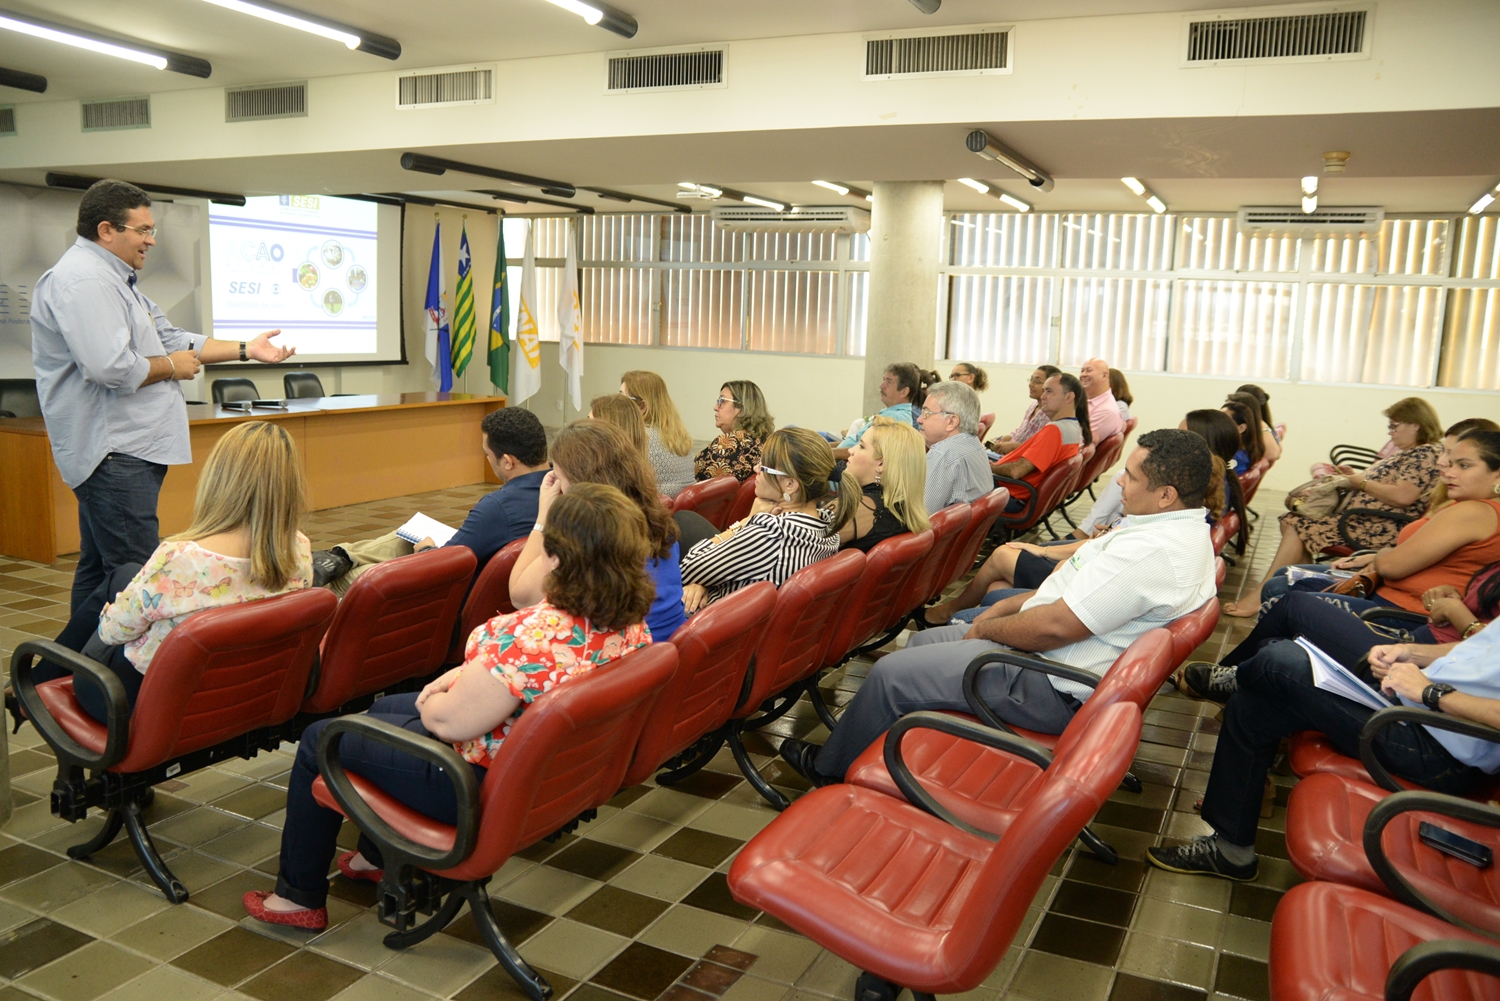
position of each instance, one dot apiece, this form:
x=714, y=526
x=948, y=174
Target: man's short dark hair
x=108, y=201
x=1177, y=459
x=515, y=432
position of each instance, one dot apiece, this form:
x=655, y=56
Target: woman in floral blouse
x=243, y=544
x=596, y=599
x=740, y=415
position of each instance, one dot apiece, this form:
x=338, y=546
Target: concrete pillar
x=906, y=230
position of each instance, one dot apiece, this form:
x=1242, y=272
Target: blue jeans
x=1329, y=621
x=991, y=598
x=116, y=519
x=1276, y=698
x=309, y=838
x=82, y=634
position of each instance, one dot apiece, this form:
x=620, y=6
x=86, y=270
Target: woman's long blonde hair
x=903, y=479
x=806, y=457
x=660, y=412
x=252, y=479
x=622, y=412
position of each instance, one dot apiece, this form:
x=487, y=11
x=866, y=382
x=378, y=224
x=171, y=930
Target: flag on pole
x=438, y=350
x=463, y=307
x=570, y=324
x=500, y=316
x=527, y=366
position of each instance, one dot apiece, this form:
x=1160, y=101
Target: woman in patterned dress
x=596, y=599
x=743, y=423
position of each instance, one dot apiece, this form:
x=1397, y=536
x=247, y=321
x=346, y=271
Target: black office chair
x=18, y=398
x=234, y=390
x=302, y=385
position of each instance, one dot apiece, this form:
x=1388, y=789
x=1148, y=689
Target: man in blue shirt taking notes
x=107, y=365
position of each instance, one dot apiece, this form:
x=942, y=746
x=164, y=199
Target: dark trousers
x=82, y=634
x=1276, y=698
x=694, y=528
x=309, y=837
x=116, y=519
x=1330, y=622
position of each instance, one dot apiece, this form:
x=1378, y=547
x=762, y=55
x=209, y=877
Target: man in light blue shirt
x=107, y=365
x=903, y=387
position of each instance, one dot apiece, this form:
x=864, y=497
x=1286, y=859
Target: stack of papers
x=1331, y=676
x=422, y=527
x=1295, y=573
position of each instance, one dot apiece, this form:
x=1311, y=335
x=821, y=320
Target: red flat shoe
x=311, y=919
x=370, y=875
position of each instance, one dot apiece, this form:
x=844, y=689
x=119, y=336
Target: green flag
x=500, y=316
x=463, y=320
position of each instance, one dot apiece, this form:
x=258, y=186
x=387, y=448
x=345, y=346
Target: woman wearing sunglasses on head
x=794, y=523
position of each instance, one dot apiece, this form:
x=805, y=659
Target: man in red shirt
x=1067, y=409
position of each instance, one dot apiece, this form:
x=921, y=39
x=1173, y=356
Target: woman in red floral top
x=596, y=598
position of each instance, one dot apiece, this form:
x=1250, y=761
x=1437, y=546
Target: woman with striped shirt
x=787, y=529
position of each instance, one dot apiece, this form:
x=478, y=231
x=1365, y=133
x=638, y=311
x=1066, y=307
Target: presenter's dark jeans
x=82, y=634
x=1276, y=698
x=116, y=519
x=1330, y=622
x=309, y=837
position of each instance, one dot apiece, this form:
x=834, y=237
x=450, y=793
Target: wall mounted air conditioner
x=1326, y=219
x=801, y=219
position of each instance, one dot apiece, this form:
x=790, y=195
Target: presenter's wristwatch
x=1432, y=693
x=243, y=355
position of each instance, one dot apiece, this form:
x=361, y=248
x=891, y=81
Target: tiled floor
x=633, y=907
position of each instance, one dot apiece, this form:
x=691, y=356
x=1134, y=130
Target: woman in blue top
x=903, y=390
x=591, y=451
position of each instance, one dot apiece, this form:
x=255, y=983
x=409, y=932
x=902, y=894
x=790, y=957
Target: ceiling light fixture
x=983, y=144
x=1137, y=188
x=1135, y=185
x=352, y=38
x=1335, y=162
x=398, y=198
x=927, y=6
x=693, y=190
x=978, y=186
x=77, y=182
x=21, y=80
x=1310, y=194
x=511, y=196
x=601, y=14
x=842, y=189
x=1485, y=201
x=1157, y=205
x=425, y=164
x=765, y=203
x=1015, y=202
x=146, y=55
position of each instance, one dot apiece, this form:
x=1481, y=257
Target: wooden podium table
x=353, y=449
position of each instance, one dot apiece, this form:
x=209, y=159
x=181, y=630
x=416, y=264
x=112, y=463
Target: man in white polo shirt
x=1155, y=567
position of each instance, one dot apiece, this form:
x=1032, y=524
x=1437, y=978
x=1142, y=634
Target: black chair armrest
x=1421, y=961
x=393, y=845
x=1356, y=456
x=1392, y=807
x=1410, y=714
x=962, y=728
x=1399, y=614
x=117, y=711
x=1028, y=505
x=1029, y=662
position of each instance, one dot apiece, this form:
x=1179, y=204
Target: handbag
x=1318, y=498
x=1361, y=585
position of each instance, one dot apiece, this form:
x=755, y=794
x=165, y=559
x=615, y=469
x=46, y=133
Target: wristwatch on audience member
x=1434, y=692
x=243, y=355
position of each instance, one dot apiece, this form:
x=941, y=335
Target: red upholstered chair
x=1220, y=572
x=1056, y=484
x=564, y=757
x=714, y=649
x=1130, y=426
x=395, y=623
x=982, y=515
x=489, y=597
x=1251, y=481
x=986, y=421
x=911, y=895
x=1193, y=629
x=874, y=604
x=927, y=581
x=711, y=499
x=743, y=502
x=790, y=654
x=222, y=684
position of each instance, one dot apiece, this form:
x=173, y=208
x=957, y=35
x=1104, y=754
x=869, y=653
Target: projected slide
x=304, y=263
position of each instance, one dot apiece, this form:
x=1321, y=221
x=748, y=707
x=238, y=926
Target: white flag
x=526, y=366
x=570, y=324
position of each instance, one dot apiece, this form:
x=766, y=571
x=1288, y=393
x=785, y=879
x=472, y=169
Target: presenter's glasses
x=149, y=232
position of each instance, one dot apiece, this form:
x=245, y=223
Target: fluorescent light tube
x=978, y=186
x=831, y=186
x=1014, y=202
x=601, y=14
x=1485, y=201
x=79, y=41
x=593, y=15
x=1157, y=205
x=869, y=198
x=289, y=20
x=1134, y=185
x=1309, y=204
x=1309, y=185
x=763, y=202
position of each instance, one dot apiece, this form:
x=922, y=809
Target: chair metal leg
x=430, y=927
x=819, y=706
x=756, y=779
x=112, y=824
x=1093, y=843
x=869, y=987
x=1062, y=509
x=145, y=849
x=1131, y=783
x=693, y=760
x=533, y=983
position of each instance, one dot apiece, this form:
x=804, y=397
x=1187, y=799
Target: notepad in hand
x=1331, y=676
x=422, y=527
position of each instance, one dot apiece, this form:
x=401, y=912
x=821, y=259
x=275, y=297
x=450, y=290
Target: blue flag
x=439, y=352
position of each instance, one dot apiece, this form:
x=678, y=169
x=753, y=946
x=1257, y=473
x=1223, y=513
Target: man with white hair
x=1104, y=412
x=957, y=468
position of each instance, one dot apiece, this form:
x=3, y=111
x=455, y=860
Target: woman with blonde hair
x=742, y=419
x=889, y=462
x=788, y=527
x=623, y=414
x=243, y=544
x=668, y=445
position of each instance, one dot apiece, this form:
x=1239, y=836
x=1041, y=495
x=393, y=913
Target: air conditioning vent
x=124, y=113
x=960, y=52
x=7, y=120
x=275, y=100
x=802, y=219
x=447, y=85
x=697, y=68
x=1334, y=219
x=1310, y=35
